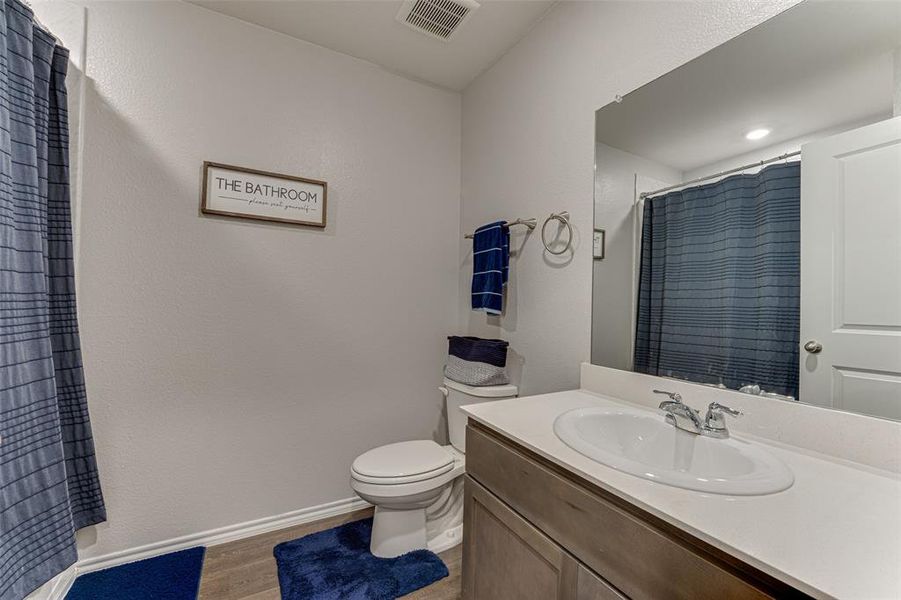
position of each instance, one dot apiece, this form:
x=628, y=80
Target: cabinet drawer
x=643, y=559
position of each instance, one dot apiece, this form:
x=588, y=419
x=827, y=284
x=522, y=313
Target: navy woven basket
x=476, y=361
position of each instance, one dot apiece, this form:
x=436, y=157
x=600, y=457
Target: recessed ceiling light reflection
x=756, y=134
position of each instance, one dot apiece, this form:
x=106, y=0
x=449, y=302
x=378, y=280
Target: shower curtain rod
x=644, y=195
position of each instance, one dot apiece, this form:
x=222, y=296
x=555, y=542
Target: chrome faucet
x=684, y=417
x=679, y=414
x=715, y=420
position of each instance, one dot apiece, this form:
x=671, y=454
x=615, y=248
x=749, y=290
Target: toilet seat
x=407, y=492
x=402, y=463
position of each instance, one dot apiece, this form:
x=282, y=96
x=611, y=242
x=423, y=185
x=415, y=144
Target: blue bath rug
x=336, y=564
x=174, y=576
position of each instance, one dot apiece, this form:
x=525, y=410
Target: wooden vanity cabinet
x=533, y=531
x=519, y=561
x=524, y=563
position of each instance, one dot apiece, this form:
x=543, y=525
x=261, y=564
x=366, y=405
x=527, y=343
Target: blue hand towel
x=490, y=261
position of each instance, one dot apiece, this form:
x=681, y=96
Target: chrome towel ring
x=563, y=217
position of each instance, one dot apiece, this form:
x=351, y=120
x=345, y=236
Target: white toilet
x=416, y=486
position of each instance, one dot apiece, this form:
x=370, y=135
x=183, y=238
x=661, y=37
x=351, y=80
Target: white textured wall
x=896, y=98
x=528, y=150
x=235, y=368
x=614, y=278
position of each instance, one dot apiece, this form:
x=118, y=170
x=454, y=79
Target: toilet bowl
x=416, y=486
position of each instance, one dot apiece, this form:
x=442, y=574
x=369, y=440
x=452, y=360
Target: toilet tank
x=459, y=394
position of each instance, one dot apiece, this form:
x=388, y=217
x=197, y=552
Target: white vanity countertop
x=835, y=533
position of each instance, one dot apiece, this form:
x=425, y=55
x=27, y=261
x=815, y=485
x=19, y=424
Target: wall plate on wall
x=599, y=243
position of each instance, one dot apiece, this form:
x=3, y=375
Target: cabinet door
x=505, y=558
x=591, y=587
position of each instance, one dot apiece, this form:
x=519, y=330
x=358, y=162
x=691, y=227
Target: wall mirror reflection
x=752, y=207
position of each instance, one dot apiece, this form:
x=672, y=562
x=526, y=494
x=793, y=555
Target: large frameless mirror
x=748, y=214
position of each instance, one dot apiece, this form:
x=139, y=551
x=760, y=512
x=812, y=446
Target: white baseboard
x=56, y=588
x=59, y=586
x=221, y=535
x=63, y=583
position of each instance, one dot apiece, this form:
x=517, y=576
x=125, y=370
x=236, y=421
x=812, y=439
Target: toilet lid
x=403, y=462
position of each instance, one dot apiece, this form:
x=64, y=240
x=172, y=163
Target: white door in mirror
x=851, y=270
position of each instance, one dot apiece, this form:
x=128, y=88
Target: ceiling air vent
x=437, y=18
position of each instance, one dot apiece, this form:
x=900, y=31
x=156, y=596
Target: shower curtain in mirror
x=718, y=297
x=48, y=476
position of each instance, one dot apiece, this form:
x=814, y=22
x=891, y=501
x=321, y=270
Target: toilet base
x=419, y=515
x=446, y=539
x=444, y=518
x=396, y=532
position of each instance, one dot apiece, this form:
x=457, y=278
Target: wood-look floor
x=245, y=569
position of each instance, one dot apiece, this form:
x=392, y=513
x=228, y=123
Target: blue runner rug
x=336, y=564
x=174, y=576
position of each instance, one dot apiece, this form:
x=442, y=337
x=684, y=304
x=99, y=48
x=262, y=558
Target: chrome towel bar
x=531, y=223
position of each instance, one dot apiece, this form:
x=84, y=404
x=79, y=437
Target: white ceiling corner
x=367, y=29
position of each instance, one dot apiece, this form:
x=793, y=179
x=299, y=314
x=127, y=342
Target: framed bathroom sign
x=251, y=194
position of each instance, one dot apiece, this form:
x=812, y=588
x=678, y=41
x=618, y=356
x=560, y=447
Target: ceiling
x=368, y=30
x=812, y=68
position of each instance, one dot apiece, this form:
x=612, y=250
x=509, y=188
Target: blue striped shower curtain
x=48, y=476
x=718, y=297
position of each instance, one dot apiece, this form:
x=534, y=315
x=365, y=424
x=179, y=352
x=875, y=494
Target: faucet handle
x=674, y=396
x=716, y=407
x=715, y=420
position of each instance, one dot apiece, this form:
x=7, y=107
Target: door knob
x=813, y=346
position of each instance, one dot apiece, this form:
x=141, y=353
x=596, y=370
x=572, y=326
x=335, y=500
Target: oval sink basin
x=646, y=446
